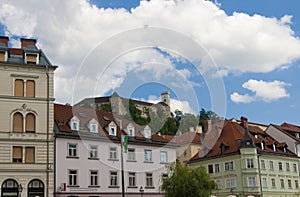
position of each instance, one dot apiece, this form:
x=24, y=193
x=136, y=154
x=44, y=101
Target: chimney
x=192, y=129
x=244, y=122
x=27, y=42
x=206, y=125
x=198, y=129
x=4, y=40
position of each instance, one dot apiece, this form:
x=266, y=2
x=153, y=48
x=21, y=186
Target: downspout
x=261, y=193
x=242, y=176
x=48, y=124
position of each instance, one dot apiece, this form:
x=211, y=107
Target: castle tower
x=165, y=97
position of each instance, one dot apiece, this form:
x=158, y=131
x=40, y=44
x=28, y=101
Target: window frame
x=72, y=152
x=94, y=178
x=132, y=179
x=93, y=152
x=249, y=163
x=131, y=154
x=72, y=178
x=113, y=153
x=251, y=181
x=230, y=183
x=113, y=179
x=228, y=166
x=148, y=152
x=163, y=157
x=149, y=180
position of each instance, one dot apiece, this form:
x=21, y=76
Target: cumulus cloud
x=68, y=30
x=266, y=91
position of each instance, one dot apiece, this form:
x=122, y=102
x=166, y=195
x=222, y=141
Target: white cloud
x=68, y=30
x=266, y=91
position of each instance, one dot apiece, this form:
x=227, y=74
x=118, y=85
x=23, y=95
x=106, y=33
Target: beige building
x=26, y=123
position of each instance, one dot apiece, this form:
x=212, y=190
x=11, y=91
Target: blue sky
x=251, y=46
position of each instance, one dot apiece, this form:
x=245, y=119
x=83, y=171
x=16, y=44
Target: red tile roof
x=187, y=138
x=230, y=136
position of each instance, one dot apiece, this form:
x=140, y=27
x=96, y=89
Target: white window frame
x=163, y=157
x=130, y=130
x=147, y=132
x=273, y=182
x=72, y=177
x=264, y=182
x=148, y=152
x=74, y=123
x=249, y=163
x=112, y=128
x=94, y=178
x=217, y=168
x=93, y=126
x=271, y=165
x=113, y=178
x=72, y=152
x=262, y=164
x=230, y=183
x=149, y=179
x=93, y=151
x=113, y=153
x=280, y=166
x=218, y=183
x=251, y=180
x=131, y=154
x=229, y=166
x=131, y=179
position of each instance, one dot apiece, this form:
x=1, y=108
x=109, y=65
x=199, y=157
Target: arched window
x=19, y=87
x=10, y=188
x=30, y=88
x=18, y=123
x=36, y=188
x=30, y=123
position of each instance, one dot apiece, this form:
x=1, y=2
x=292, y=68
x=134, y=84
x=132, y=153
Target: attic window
x=31, y=58
x=130, y=129
x=112, y=129
x=262, y=145
x=147, y=132
x=74, y=123
x=93, y=125
x=256, y=136
x=297, y=135
x=274, y=146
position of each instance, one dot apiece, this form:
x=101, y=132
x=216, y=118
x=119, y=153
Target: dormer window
x=74, y=123
x=297, y=135
x=262, y=145
x=130, y=129
x=112, y=128
x=93, y=125
x=147, y=132
x=274, y=146
x=256, y=136
x=32, y=58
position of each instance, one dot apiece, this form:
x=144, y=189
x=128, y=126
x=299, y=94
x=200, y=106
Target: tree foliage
x=184, y=181
x=187, y=120
x=205, y=115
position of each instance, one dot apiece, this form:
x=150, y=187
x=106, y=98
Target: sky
x=237, y=58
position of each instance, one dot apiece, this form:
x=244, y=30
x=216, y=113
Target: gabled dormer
x=130, y=130
x=31, y=52
x=147, y=132
x=112, y=128
x=93, y=126
x=74, y=123
x=3, y=48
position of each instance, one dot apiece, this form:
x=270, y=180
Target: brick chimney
x=27, y=42
x=206, y=125
x=4, y=40
x=244, y=122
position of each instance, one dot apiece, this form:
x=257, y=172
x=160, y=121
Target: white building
x=88, y=155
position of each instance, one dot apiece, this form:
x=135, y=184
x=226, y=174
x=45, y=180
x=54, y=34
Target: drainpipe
x=48, y=124
x=259, y=174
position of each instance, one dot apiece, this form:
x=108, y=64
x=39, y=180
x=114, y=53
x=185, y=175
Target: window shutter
x=30, y=123
x=29, y=155
x=17, y=152
x=2, y=56
x=18, y=123
x=19, y=87
x=30, y=88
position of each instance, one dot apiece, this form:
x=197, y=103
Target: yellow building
x=26, y=123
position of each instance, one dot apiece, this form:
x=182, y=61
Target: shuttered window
x=18, y=123
x=29, y=155
x=2, y=56
x=30, y=123
x=17, y=154
x=30, y=88
x=31, y=59
x=19, y=87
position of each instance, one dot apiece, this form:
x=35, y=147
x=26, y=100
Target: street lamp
x=20, y=188
x=142, y=191
x=231, y=191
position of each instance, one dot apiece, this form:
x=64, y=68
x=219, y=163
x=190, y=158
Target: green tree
x=170, y=127
x=184, y=181
x=205, y=115
x=187, y=120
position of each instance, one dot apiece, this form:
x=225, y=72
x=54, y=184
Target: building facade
x=245, y=161
x=26, y=103
x=88, y=155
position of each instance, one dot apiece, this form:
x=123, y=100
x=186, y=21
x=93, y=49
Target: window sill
x=113, y=159
x=111, y=186
x=150, y=187
x=163, y=162
x=93, y=158
x=94, y=186
x=73, y=186
x=71, y=157
x=132, y=187
x=131, y=161
x=148, y=161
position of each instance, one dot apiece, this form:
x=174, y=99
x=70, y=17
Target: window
x=219, y=184
x=113, y=179
x=280, y=166
x=31, y=58
x=29, y=155
x=289, y=183
x=74, y=123
x=273, y=182
x=18, y=123
x=262, y=164
x=163, y=157
x=282, y=183
x=149, y=180
x=94, y=178
x=72, y=150
x=148, y=155
x=271, y=165
x=131, y=154
x=230, y=183
x=94, y=128
x=287, y=167
x=297, y=135
x=164, y=177
x=17, y=154
x=229, y=166
x=250, y=163
x=210, y=168
x=113, y=153
x=112, y=129
x=130, y=129
x=19, y=88
x=30, y=123
x=72, y=178
x=30, y=88
x=147, y=132
x=217, y=168
x=264, y=182
x=93, y=151
x=295, y=167
x=296, y=184
x=251, y=181
x=131, y=176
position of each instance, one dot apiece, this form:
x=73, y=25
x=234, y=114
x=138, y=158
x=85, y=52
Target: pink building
x=88, y=155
